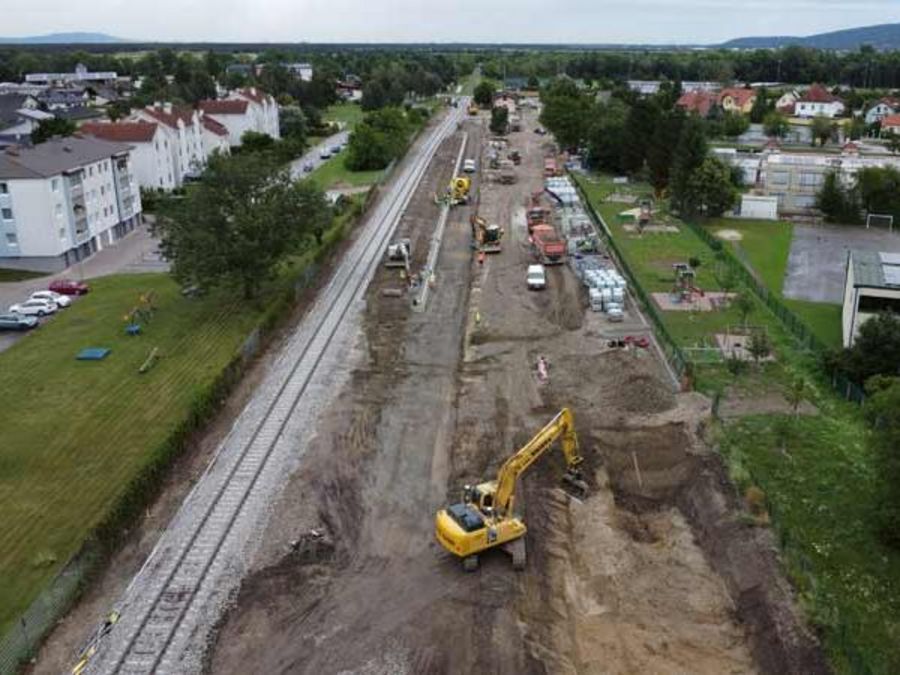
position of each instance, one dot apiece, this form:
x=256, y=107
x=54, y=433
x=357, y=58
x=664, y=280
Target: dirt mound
x=630, y=383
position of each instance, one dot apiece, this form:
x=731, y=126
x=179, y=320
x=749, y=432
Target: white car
x=536, y=278
x=50, y=296
x=469, y=166
x=325, y=153
x=34, y=307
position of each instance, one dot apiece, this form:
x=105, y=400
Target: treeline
x=382, y=137
x=645, y=137
x=875, y=190
x=866, y=67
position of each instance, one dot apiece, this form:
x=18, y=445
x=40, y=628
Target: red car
x=69, y=287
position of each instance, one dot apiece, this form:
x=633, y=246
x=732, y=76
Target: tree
x=239, y=222
x=879, y=190
x=118, y=110
x=378, y=140
x=761, y=107
x=47, y=129
x=567, y=113
x=709, y=190
x=292, y=123
x=499, y=120
x=484, y=93
x=775, y=125
x=689, y=156
x=734, y=124
x=882, y=410
x=893, y=141
x=875, y=350
x=605, y=136
x=743, y=303
x=640, y=124
x=253, y=141
x=822, y=129
x=759, y=346
x=661, y=153
x=857, y=128
x=838, y=205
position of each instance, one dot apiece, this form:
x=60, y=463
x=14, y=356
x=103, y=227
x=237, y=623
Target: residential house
x=232, y=114
x=152, y=157
x=871, y=286
x=697, y=101
x=80, y=114
x=81, y=76
x=787, y=102
x=890, y=124
x=737, y=100
x=215, y=136
x=64, y=98
x=818, y=101
x=350, y=88
x=263, y=110
x=651, y=87
x=184, y=133
x=63, y=200
x=882, y=109
x=19, y=115
x=21, y=88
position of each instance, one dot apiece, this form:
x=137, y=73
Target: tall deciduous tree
x=822, y=129
x=882, y=409
x=775, y=125
x=484, y=93
x=239, y=223
x=47, y=129
x=689, y=157
x=875, y=350
x=499, y=120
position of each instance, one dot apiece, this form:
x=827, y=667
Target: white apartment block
x=215, y=136
x=244, y=110
x=151, y=154
x=263, y=110
x=63, y=200
x=184, y=132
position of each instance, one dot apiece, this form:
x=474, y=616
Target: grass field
x=332, y=173
x=75, y=433
x=7, y=275
x=350, y=114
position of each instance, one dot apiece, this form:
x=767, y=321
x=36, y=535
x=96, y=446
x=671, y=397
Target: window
x=102, y=190
x=62, y=233
x=58, y=210
x=90, y=171
x=810, y=179
x=11, y=239
x=4, y=189
x=870, y=304
x=54, y=185
x=6, y=213
x=780, y=178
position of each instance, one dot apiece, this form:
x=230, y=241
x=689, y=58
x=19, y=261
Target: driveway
x=312, y=156
x=818, y=259
x=135, y=253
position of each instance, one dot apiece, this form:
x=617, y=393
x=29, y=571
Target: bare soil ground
x=656, y=571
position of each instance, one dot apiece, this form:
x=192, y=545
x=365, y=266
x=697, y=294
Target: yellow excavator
x=485, y=518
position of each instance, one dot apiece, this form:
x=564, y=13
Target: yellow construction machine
x=459, y=190
x=485, y=518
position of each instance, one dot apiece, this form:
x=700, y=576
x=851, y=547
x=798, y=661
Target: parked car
x=17, y=322
x=308, y=167
x=469, y=166
x=335, y=149
x=325, y=154
x=69, y=287
x=536, y=278
x=540, y=131
x=34, y=308
x=62, y=300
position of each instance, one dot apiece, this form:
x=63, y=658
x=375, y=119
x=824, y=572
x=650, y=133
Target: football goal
x=880, y=221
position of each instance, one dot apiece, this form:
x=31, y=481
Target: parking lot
x=136, y=253
x=818, y=258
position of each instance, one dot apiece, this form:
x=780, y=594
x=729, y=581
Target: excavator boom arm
x=563, y=425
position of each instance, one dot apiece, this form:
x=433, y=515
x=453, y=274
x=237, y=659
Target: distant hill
x=62, y=39
x=884, y=36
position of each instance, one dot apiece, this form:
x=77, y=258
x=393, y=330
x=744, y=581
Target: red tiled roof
x=254, y=94
x=170, y=119
x=818, y=94
x=890, y=121
x=216, y=127
x=124, y=132
x=224, y=107
x=891, y=102
x=740, y=95
x=697, y=101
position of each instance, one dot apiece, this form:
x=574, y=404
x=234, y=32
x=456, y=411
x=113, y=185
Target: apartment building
x=151, y=154
x=63, y=200
x=232, y=114
x=263, y=110
x=215, y=136
x=184, y=132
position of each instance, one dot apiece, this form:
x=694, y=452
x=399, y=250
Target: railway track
x=160, y=612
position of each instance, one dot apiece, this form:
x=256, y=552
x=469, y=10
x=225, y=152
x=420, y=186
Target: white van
x=537, y=280
x=469, y=166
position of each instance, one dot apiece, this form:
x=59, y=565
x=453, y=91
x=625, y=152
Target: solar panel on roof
x=890, y=258
x=891, y=274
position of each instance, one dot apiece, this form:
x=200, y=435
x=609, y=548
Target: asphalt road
x=312, y=157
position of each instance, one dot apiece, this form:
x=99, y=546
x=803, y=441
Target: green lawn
x=7, y=275
x=822, y=318
x=350, y=114
x=75, y=433
x=333, y=173
x=847, y=582
x=764, y=247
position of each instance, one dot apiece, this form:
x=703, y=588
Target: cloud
x=568, y=21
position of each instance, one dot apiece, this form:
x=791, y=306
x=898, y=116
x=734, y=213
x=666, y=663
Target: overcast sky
x=566, y=21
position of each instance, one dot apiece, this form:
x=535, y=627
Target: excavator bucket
x=574, y=484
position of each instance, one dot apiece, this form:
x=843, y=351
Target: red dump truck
x=548, y=247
